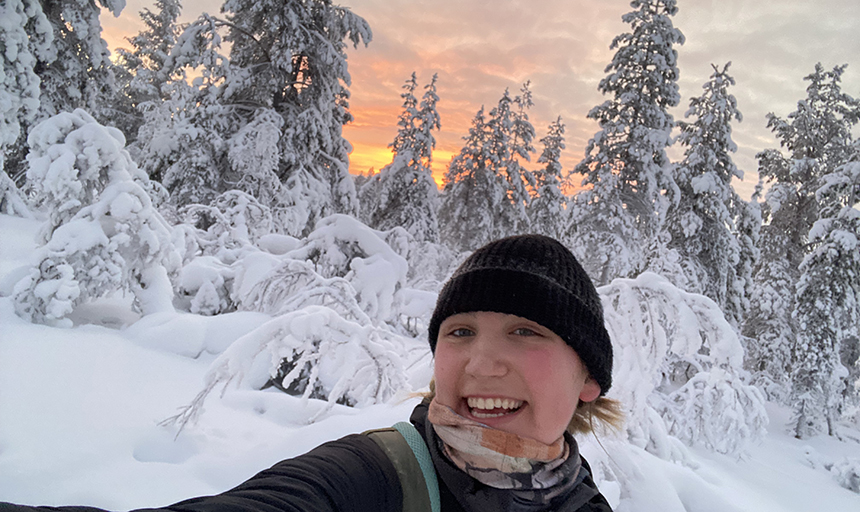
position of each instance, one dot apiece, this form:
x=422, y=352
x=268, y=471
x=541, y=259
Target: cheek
x=445, y=371
x=553, y=376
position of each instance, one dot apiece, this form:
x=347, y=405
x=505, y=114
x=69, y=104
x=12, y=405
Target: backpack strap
x=407, y=451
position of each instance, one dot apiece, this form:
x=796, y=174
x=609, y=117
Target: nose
x=484, y=358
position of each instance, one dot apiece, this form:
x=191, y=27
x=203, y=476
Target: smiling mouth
x=492, y=407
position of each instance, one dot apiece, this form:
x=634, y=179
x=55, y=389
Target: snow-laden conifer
x=403, y=193
x=294, y=56
x=511, y=140
x=769, y=327
x=103, y=234
x=485, y=194
x=471, y=193
x=182, y=140
x=78, y=72
x=702, y=221
x=817, y=139
x=547, y=212
x=827, y=312
x=615, y=221
x=282, y=92
x=26, y=36
x=139, y=75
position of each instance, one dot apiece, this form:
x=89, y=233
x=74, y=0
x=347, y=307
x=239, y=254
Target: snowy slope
x=80, y=410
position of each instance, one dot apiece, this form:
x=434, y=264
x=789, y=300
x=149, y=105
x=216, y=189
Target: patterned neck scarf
x=503, y=460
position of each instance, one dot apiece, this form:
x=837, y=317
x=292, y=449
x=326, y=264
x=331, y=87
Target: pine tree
x=471, y=192
x=828, y=306
x=26, y=37
x=292, y=53
x=404, y=191
x=817, y=137
x=616, y=220
x=547, y=208
x=78, y=73
x=183, y=140
x=140, y=73
x=485, y=194
x=71, y=60
x=702, y=222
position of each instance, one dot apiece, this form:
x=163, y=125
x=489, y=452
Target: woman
x=522, y=358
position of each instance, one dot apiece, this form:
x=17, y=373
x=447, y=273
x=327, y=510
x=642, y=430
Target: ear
x=590, y=390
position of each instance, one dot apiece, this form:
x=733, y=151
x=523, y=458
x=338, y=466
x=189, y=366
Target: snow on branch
x=12, y=200
x=295, y=285
x=676, y=356
x=313, y=353
x=342, y=246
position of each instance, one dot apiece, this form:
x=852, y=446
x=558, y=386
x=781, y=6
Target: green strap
x=411, y=459
x=422, y=454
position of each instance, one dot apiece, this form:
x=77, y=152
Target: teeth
x=493, y=403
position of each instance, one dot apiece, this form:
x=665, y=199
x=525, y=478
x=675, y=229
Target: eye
x=525, y=331
x=461, y=332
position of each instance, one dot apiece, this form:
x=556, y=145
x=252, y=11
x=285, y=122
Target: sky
x=481, y=48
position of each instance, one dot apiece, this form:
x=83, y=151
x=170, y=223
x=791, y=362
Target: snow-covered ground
x=80, y=414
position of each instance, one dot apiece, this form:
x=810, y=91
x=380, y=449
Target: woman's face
x=511, y=374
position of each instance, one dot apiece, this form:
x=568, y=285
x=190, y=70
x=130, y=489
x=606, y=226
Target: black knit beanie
x=538, y=278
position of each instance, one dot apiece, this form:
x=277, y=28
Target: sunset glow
x=480, y=49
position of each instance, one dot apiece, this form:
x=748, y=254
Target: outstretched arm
x=350, y=474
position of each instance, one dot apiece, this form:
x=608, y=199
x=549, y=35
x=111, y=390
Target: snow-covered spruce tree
x=511, y=140
x=701, y=222
x=103, y=234
x=471, y=193
x=747, y=231
x=827, y=312
x=367, y=189
x=27, y=38
x=547, y=209
x=140, y=76
x=404, y=191
x=615, y=222
x=769, y=329
x=182, y=141
x=485, y=194
x=817, y=137
x=280, y=100
x=79, y=73
x=293, y=55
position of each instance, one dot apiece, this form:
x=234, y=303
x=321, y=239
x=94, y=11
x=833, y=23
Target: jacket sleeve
x=351, y=474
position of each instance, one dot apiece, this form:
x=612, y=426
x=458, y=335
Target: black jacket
x=351, y=474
